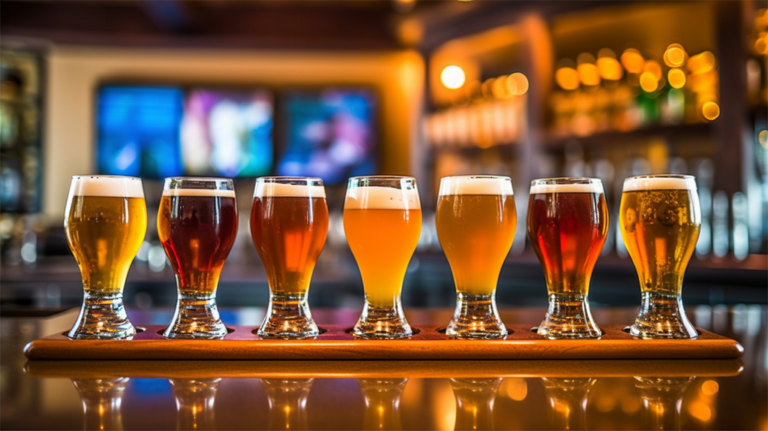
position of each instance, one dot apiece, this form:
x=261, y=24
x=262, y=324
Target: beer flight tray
x=429, y=343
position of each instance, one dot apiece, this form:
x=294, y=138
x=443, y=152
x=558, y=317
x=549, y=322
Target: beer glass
x=289, y=224
x=476, y=223
x=105, y=224
x=660, y=221
x=567, y=226
x=382, y=222
x=197, y=225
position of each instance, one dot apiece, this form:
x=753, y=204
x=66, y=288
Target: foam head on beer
x=634, y=184
x=476, y=185
x=106, y=186
x=587, y=187
x=378, y=197
x=303, y=188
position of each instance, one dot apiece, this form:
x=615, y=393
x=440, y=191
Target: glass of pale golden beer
x=660, y=221
x=197, y=225
x=567, y=226
x=289, y=224
x=105, y=224
x=476, y=223
x=382, y=222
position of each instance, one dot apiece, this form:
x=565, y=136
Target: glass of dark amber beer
x=105, y=224
x=476, y=222
x=289, y=224
x=382, y=222
x=567, y=225
x=660, y=220
x=197, y=225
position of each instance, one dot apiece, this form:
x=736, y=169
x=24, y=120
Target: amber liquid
x=197, y=233
x=476, y=233
x=104, y=234
x=660, y=229
x=567, y=231
x=382, y=241
x=289, y=233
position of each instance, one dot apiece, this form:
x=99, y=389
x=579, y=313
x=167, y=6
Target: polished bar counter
x=442, y=395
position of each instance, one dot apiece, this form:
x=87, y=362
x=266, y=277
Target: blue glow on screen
x=138, y=131
x=330, y=134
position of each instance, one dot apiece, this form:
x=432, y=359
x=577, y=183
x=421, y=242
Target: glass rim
x=201, y=179
x=383, y=177
x=287, y=179
x=479, y=176
x=674, y=176
x=114, y=177
x=566, y=180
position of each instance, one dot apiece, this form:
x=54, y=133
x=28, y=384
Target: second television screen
x=329, y=134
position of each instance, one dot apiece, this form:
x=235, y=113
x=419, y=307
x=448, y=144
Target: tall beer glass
x=382, y=222
x=567, y=225
x=660, y=221
x=476, y=223
x=289, y=224
x=105, y=224
x=197, y=225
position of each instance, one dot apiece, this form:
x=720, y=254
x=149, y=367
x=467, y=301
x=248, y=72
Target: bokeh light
x=648, y=82
x=676, y=78
x=710, y=110
x=453, y=77
x=762, y=138
x=567, y=78
x=709, y=388
x=654, y=68
x=520, y=82
x=700, y=63
x=675, y=55
x=632, y=61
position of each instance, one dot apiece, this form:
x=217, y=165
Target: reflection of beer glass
x=194, y=403
x=289, y=223
x=660, y=221
x=382, y=222
x=568, y=399
x=197, y=224
x=567, y=225
x=476, y=222
x=474, y=402
x=662, y=399
x=105, y=223
x=102, y=399
x=382, y=403
x=288, y=403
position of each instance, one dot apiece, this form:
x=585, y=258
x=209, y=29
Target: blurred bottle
x=704, y=170
x=720, y=231
x=740, y=233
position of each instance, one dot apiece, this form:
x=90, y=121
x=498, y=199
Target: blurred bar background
x=423, y=88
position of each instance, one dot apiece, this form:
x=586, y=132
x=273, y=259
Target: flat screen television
x=155, y=132
x=329, y=133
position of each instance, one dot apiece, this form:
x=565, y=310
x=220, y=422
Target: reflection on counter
x=194, y=403
x=102, y=401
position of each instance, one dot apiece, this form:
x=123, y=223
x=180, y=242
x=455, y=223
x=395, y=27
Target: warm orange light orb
x=632, y=61
x=567, y=78
x=710, y=110
x=648, y=82
x=676, y=78
x=674, y=56
x=520, y=83
x=453, y=77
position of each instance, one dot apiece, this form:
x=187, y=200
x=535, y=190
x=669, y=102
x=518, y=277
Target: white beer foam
x=268, y=189
x=659, y=183
x=199, y=192
x=128, y=187
x=567, y=188
x=387, y=198
x=475, y=186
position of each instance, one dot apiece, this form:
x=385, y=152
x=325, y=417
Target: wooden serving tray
x=383, y=369
x=428, y=344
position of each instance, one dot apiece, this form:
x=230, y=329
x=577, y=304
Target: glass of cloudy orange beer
x=289, y=225
x=476, y=222
x=197, y=225
x=567, y=226
x=382, y=223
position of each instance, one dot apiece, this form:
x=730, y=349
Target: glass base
x=102, y=317
x=662, y=316
x=568, y=317
x=288, y=317
x=378, y=323
x=196, y=317
x=476, y=317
